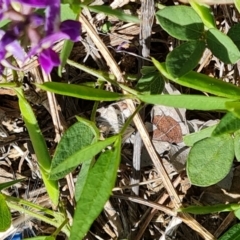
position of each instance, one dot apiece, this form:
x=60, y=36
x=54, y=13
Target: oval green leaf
x=151, y=82
x=232, y=234
x=97, y=190
x=5, y=215
x=234, y=33
x=204, y=12
x=78, y=91
x=192, y=138
x=201, y=82
x=191, y=102
x=210, y=160
x=181, y=22
x=222, y=46
x=82, y=155
x=184, y=58
x=237, y=144
x=228, y=124
x=78, y=136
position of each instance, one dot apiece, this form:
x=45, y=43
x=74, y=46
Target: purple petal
x=16, y=50
x=4, y=6
x=1, y=69
x=47, y=42
x=7, y=64
x=48, y=59
x=36, y=20
x=51, y=39
x=36, y=3
x=52, y=18
x=72, y=29
x=7, y=38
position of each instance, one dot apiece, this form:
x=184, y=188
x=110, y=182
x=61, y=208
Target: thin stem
x=97, y=73
x=54, y=222
x=100, y=74
x=95, y=106
x=60, y=228
x=129, y=120
x=30, y=205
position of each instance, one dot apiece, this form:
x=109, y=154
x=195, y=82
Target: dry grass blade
x=190, y=221
x=147, y=203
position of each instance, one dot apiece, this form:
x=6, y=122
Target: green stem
x=129, y=120
x=30, y=205
x=97, y=73
x=60, y=228
x=95, y=106
x=57, y=221
x=100, y=74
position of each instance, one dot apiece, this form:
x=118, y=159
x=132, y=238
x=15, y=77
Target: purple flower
x=69, y=29
x=9, y=44
x=40, y=32
x=49, y=59
x=37, y=3
x=4, y=5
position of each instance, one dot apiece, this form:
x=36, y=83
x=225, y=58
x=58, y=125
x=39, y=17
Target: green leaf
x=210, y=209
x=79, y=157
x=115, y=13
x=232, y=234
x=181, y=22
x=64, y=55
x=237, y=213
x=237, y=5
x=210, y=160
x=39, y=145
x=8, y=85
x=191, y=139
x=78, y=91
x=222, y=46
x=234, y=33
x=151, y=81
x=184, y=58
x=237, y=144
x=204, y=12
x=3, y=23
x=234, y=107
x=82, y=178
x=191, y=102
x=86, y=166
x=5, y=215
x=10, y=183
x=97, y=190
x=106, y=27
x=67, y=13
x=228, y=124
x=201, y=82
x=78, y=136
